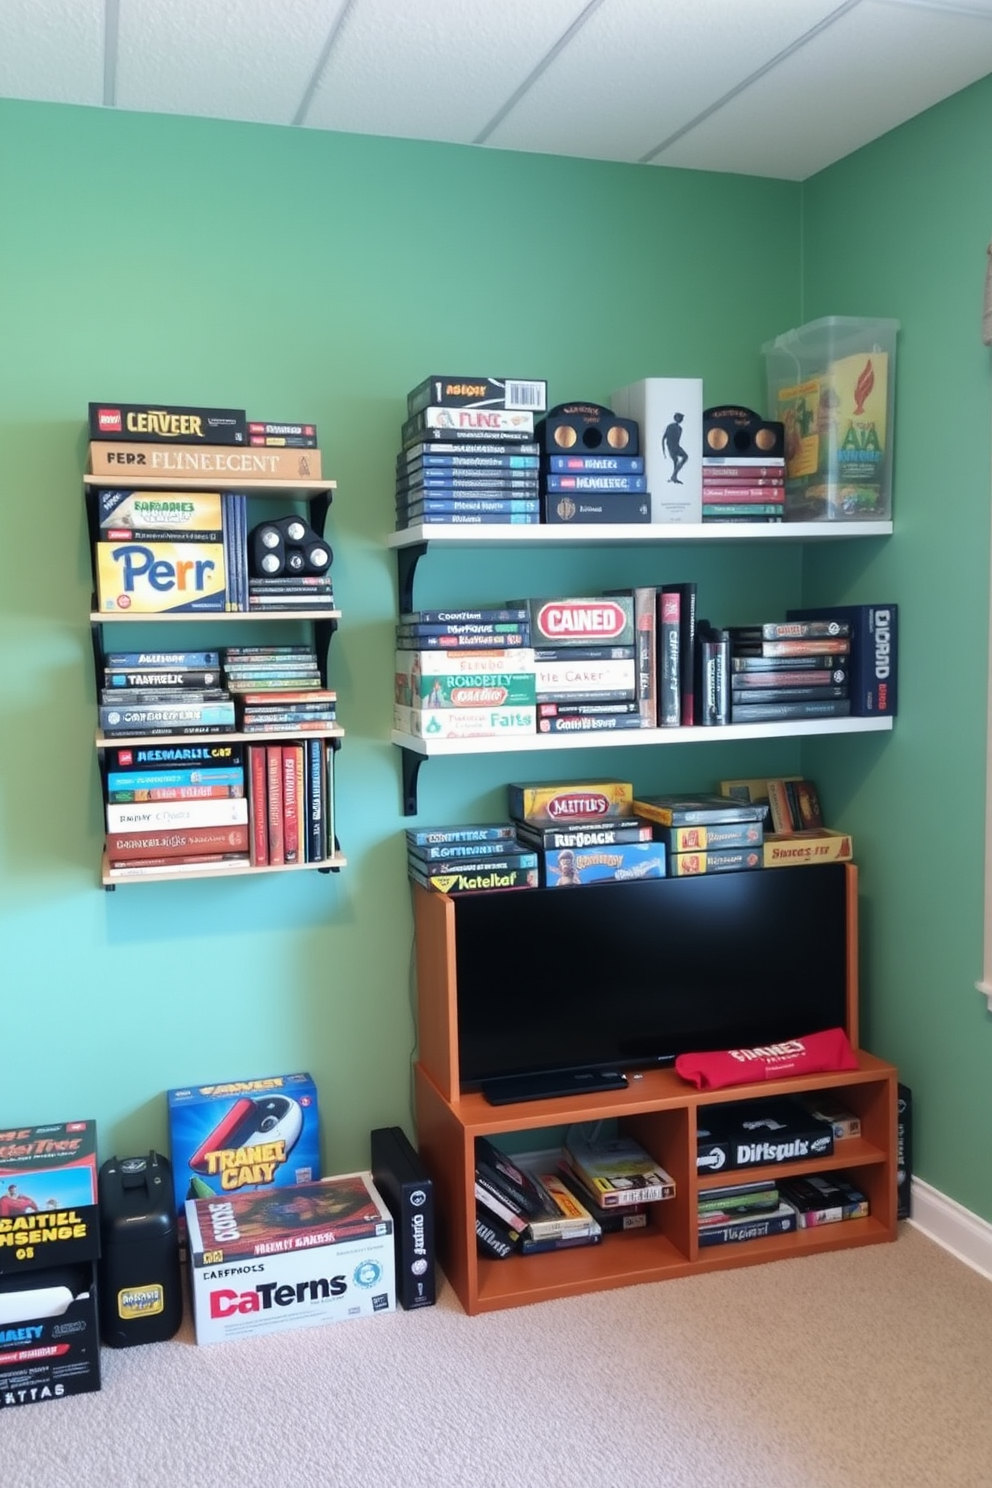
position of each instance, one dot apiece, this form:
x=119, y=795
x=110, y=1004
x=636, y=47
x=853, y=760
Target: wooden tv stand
x=658, y=1108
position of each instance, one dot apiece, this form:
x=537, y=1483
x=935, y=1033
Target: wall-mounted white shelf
x=593, y=535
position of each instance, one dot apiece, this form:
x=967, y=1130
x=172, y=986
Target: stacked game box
x=783, y=669
x=167, y=440
x=49, y=1247
x=586, y=663
x=760, y=1133
x=743, y=467
x=468, y=453
x=262, y=1262
x=288, y=568
x=585, y=832
x=465, y=674
x=591, y=469
x=471, y=859
x=175, y=806
x=141, y=698
x=706, y=833
x=242, y=1136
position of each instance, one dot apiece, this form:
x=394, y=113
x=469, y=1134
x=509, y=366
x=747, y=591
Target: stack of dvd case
x=471, y=859
x=468, y=453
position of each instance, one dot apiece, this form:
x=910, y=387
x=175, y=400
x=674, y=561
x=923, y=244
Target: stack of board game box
x=523, y=1205
x=585, y=663
x=170, y=442
x=706, y=833
x=468, y=453
x=278, y=688
x=49, y=1248
x=175, y=807
x=471, y=859
x=178, y=551
x=743, y=466
x=262, y=1262
x=790, y=669
x=751, y=1211
x=149, y=693
x=798, y=833
x=584, y=832
x=592, y=471
x=465, y=674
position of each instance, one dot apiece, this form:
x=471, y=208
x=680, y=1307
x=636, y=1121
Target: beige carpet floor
x=859, y=1369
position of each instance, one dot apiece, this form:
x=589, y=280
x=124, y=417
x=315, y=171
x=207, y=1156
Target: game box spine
x=405, y=1185
x=436, y=836
x=765, y=712
x=753, y=1227
x=273, y=770
x=258, y=805
x=874, y=655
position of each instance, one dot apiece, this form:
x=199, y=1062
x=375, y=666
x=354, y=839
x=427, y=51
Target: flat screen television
x=628, y=976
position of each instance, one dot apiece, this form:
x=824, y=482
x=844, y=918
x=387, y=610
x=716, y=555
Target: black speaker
x=287, y=546
x=139, y=1295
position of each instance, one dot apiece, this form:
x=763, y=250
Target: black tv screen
x=627, y=976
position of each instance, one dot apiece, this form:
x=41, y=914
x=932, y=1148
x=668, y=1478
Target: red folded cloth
x=809, y=1055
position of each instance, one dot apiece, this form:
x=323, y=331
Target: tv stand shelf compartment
x=321, y=624
x=661, y=1111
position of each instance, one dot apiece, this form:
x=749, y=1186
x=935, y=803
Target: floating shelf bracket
x=406, y=567
x=411, y=769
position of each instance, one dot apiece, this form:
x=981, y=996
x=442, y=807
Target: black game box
x=758, y=1133
x=404, y=1184
x=167, y=424
x=49, y=1337
x=904, y=1152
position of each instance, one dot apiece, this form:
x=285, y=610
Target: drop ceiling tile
x=52, y=52
x=439, y=70
x=639, y=70
x=878, y=66
x=228, y=59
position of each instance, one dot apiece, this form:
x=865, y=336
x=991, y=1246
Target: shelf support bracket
x=411, y=769
x=406, y=567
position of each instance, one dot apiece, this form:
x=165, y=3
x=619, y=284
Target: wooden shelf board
x=217, y=870
x=154, y=741
x=652, y=1090
x=196, y=481
x=210, y=617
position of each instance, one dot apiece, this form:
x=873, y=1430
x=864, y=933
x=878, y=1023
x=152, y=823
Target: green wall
x=299, y=274
x=901, y=229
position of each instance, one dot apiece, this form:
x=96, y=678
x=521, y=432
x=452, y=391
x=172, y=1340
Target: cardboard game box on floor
x=263, y=1262
x=49, y=1245
x=242, y=1135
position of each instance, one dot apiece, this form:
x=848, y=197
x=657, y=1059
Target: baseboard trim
x=964, y=1234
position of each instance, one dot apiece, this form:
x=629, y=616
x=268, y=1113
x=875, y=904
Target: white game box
x=669, y=412
x=289, y=1258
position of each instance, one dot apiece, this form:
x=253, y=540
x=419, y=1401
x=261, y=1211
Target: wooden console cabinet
x=658, y=1108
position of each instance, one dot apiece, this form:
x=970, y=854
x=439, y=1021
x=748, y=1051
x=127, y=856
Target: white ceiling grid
x=778, y=88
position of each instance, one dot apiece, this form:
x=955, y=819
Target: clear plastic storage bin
x=832, y=383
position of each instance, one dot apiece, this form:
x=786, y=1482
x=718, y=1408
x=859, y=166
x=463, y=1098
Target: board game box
x=242, y=1135
x=48, y=1196
x=264, y=1262
x=755, y=1133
